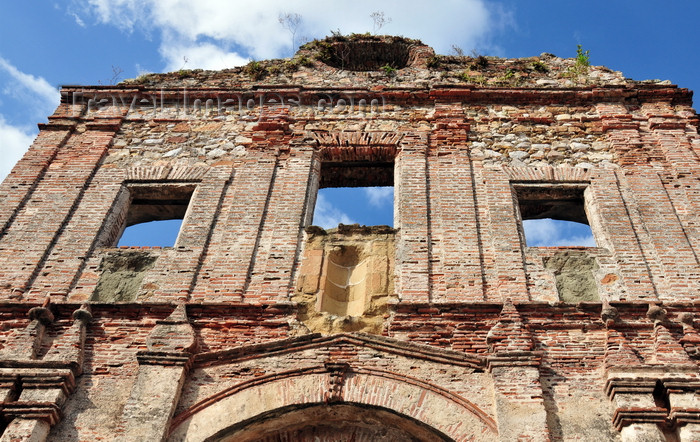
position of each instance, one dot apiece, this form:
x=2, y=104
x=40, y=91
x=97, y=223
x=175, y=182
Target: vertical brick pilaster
x=162, y=371
x=630, y=239
x=642, y=432
x=22, y=429
x=62, y=267
x=153, y=399
x=689, y=432
x=664, y=240
x=506, y=245
x=281, y=231
x=456, y=250
x=225, y=268
x=25, y=247
x=19, y=185
x=673, y=203
x=520, y=410
x=412, y=219
x=667, y=237
x=43, y=385
x=623, y=233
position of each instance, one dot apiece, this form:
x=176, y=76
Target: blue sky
x=47, y=44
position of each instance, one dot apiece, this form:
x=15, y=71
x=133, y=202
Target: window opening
x=161, y=233
x=550, y=232
x=155, y=215
x=370, y=206
x=355, y=193
x=554, y=215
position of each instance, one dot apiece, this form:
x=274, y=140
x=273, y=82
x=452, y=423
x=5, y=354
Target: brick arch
x=334, y=422
x=459, y=419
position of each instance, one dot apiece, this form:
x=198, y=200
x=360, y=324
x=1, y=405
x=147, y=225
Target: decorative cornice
x=104, y=124
x=58, y=377
x=681, y=416
x=411, y=95
x=637, y=385
x=165, y=358
x=514, y=359
x=58, y=125
x=643, y=380
x=46, y=411
x=623, y=417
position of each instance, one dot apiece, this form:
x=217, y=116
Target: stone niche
x=346, y=278
x=345, y=287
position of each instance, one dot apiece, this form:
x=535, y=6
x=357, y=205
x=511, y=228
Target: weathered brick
x=465, y=334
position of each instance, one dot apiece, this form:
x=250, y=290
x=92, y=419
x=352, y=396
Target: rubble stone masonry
x=257, y=325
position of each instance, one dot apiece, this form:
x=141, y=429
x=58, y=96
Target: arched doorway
x=337, y=401
x=342, y=422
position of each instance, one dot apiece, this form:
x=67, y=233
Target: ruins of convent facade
x=257, y=326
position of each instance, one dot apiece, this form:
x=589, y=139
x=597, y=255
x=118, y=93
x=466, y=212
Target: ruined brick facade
x=447, y=326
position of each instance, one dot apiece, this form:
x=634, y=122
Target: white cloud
x=328, y=216
x=203, y=56
x=252, y=29
x=122, y=13
x=379, y=196
x=79, y=21
x=140, y=70
x=554, y=233
x=15, y=142
x=25, y=86
x=34, y=98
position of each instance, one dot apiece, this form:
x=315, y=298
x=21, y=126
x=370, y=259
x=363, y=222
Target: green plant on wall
x=434, y=62
x=539, y=66
x=480, y=62
x=255, y=70
x=466, y=77
x=581, y=63
x=509, y=77
x=582, y=57
x=323, y=51
x=389, y=70
x=295, y=63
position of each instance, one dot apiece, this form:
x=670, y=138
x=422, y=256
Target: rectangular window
x=358, y=192
x=554, y=215
x=149, y=215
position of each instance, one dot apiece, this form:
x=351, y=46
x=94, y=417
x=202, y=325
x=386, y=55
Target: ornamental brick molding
x=254, y=324
x=346, y=368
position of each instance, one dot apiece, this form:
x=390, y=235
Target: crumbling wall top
x=364, y=60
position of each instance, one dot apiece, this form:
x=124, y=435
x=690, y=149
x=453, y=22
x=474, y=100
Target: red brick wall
x=460, y=246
